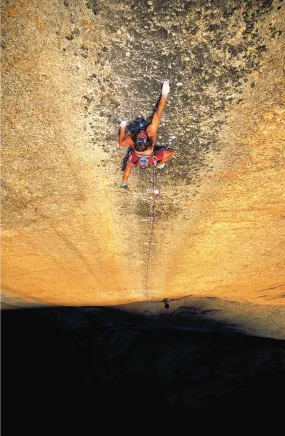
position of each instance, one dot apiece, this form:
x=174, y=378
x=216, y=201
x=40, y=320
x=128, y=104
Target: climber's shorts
x=144, y=161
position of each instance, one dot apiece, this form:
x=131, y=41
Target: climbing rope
x=151, y=228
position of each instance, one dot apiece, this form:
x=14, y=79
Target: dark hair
x=141, y=146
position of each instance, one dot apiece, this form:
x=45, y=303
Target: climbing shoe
x=124, y=186
x=161, y=167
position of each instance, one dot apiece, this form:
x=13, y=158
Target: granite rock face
x=216, y=232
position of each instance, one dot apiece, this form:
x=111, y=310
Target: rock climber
x=142, y=142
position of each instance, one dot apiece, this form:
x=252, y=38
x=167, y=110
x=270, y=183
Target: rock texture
x=216, y=232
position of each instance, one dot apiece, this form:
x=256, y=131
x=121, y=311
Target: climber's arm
x=153, y=127
x=124, y=140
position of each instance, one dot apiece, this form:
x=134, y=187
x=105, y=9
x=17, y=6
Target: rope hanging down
x=155, y=193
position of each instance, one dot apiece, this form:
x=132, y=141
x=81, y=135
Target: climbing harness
x=145, y=160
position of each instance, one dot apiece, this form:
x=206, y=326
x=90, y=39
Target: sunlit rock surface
x=214, y=237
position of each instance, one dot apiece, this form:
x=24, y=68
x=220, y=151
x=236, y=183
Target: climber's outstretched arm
x=153, y=127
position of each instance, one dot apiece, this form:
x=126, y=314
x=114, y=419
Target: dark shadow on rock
x=95, y=360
